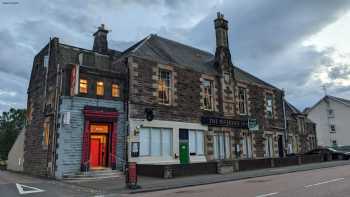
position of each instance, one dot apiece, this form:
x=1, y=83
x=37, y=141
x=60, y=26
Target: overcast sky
x=293, y=44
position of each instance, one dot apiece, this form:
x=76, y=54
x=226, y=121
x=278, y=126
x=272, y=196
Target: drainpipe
x=285, y=122
x=126, y=108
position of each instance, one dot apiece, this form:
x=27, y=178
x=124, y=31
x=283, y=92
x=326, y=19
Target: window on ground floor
x=268, y=146
x=156, y=142
x=222, y=144
x=196, y=142
x=247, y=146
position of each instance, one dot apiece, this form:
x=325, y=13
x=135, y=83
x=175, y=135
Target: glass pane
x=216, y=147
x=200, y=143
x=227, y=147
x=192, y=141
x=144, y=141
x=244, y=146
x=221, y=147
x=249, y=146
x=166, y=142
x=155, y=142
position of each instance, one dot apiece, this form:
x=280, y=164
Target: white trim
x=175, y=126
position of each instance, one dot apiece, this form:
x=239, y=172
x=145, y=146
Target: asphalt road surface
x=332, y=182
x=14, y=184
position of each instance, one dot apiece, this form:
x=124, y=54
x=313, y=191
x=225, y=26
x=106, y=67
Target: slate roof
x=345, y=102
x=166, y=51
x=341, y=100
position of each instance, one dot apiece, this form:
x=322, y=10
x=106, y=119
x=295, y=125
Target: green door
x=183, y=146
x=184, y=157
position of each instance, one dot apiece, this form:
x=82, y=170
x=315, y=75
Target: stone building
x=158, y=102
x=76, y=110
x=202, y=107
x=301, y=131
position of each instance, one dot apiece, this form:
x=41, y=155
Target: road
x=39, y=187
x=332, y=182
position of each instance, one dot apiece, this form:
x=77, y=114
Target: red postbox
x=131, y=176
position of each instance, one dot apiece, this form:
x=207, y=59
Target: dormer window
x=207, y=103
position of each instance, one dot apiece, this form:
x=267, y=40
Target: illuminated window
x=83, y=87
x=46, y=133
x=207, y=94
x=164, y=86
x=99, y=88
x=115, y=90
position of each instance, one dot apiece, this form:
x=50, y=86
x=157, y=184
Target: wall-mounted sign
x=223, y=122
x=253, y=125
x=135, y=149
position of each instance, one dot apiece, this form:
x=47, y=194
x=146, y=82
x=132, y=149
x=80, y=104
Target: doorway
x=280, y=146
x=183, y=146
x=99, y=145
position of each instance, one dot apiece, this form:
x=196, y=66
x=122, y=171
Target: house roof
x=165, y=51
x=343, y=101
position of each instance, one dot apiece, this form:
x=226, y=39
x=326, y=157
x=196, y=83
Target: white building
x=332, y=117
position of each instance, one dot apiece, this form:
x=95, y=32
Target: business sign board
x=253, y=125
x=223, y=122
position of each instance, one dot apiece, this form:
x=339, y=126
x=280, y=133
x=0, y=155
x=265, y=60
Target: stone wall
x=69, y=142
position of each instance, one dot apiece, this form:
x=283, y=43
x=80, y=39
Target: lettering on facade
x=223, y=122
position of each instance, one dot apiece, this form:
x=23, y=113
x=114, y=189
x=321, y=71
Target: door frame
x=94, y=115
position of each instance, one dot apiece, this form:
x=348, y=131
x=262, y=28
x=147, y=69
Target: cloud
x=265, y=37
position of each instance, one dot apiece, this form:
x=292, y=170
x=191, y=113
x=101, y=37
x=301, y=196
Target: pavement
x=326, y=182
x=12, y=184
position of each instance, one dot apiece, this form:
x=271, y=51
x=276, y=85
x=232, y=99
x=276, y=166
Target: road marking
x=269, y=194
x=279, y=169
x=32, y=189
x=321, y=183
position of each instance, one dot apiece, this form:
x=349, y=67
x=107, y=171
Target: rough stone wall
x=69, y=142
x=185, y=105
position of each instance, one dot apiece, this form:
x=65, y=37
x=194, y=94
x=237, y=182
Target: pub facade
x=187, y=105
x=157, y=102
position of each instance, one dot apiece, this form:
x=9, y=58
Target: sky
x=293, y=44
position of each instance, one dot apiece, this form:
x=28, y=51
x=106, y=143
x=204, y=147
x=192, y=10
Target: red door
x=94, y=152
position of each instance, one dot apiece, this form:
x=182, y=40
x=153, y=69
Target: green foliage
x=11, y=123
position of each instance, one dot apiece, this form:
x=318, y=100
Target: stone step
x=98, y=174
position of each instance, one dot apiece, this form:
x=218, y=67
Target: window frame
x=168, y=89
x=244, y=101
x=149, y=130
x=46, y=133
x=269, y=108
x=117, y=89
x=210, y=96
x=98, y=85
x=196, y=131
x=80, y=87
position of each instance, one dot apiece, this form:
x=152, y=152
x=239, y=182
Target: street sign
x=253, y=125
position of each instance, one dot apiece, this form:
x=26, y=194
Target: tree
x=11, y=123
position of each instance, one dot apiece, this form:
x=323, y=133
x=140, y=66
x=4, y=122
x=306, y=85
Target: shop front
x=167, y=142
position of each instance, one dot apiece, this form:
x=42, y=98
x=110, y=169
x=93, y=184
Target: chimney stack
x=100, y=41
x=221, y=28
